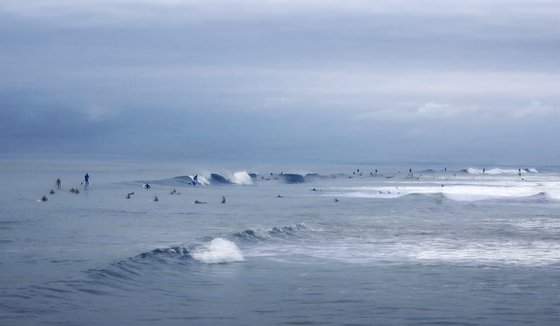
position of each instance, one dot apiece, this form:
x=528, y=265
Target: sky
x=433, y=81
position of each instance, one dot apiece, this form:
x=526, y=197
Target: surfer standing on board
x=86, y=180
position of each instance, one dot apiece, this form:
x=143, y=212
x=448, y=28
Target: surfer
x=147, y=186
x=199, y=202
x=195, y=180
x=223, y=199
x=58, y=183
x=86, y=180
x=44, y=198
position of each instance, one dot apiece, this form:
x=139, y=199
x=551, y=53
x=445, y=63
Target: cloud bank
x=431, y=80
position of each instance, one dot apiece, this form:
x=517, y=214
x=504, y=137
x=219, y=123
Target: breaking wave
x=217, y=251
x=498, y=171
x=238, y=178
x=207, y=250
x=454, y=193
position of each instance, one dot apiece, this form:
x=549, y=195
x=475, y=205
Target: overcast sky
x=335, y=81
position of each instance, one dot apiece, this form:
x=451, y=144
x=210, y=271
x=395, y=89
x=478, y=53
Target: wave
x=218, y=179
x=276, y=233
x=206, y=250
x=238, y=178
x=310, y=177
x=455, y=193
x=498, y=171
x=215, y=251
x=243, y=178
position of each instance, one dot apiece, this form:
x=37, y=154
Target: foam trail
x=217, y=251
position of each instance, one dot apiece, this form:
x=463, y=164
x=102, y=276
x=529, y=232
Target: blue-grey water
x=343, y=247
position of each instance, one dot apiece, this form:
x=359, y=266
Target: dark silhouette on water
x=223, y=199
x=51, y=192
x=44, y=198
x=58, y=183
x=86, y=180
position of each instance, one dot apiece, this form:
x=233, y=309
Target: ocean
x=327, y=245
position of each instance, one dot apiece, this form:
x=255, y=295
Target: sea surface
x=328, y=245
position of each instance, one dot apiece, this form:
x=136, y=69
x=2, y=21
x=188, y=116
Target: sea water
x=291, y=245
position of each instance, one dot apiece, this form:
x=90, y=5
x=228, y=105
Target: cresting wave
x=209, y=250
x=237, y=178
x=215, y=251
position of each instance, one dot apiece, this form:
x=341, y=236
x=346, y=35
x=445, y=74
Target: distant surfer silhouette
x=147, y=186
x=58, y=183
x=195, y=180
x=86, y=180
x=223, y=199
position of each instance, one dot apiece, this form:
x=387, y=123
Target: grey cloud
x=317, y=79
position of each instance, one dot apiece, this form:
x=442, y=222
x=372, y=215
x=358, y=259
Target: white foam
x=460, y=189
x=218, y=251
x=242, y=178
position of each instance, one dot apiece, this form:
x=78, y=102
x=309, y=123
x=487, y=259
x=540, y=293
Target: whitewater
x=277, y=245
